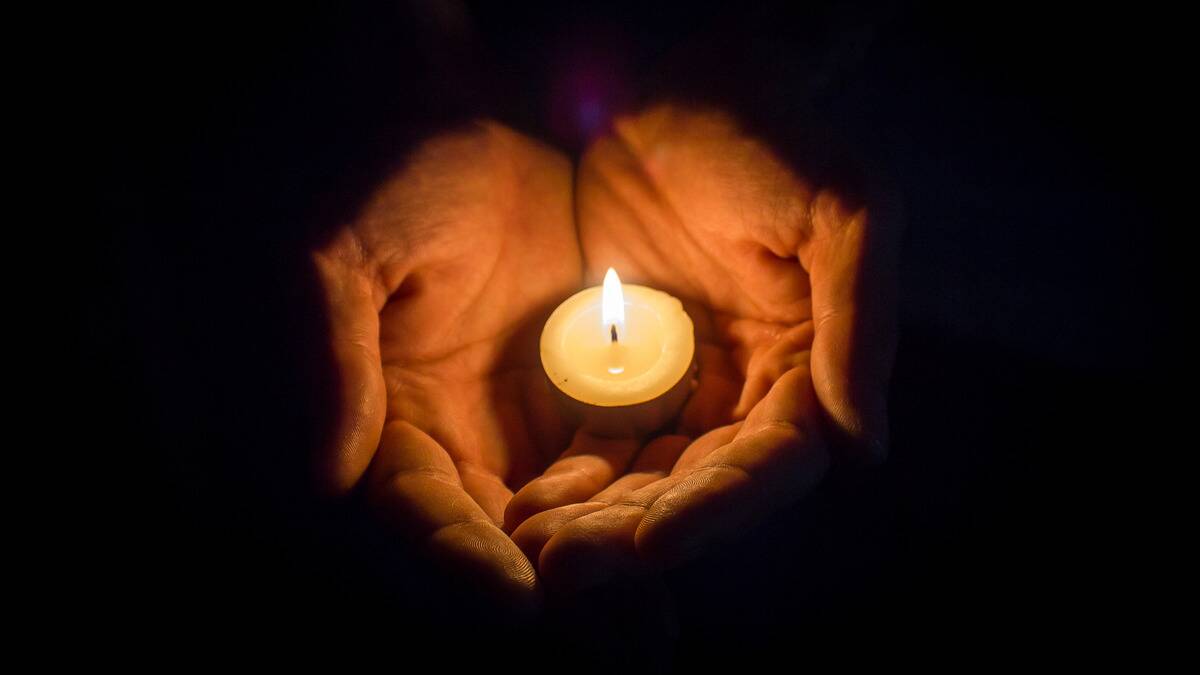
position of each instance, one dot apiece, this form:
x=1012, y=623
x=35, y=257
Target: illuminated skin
x=789, y=287
x=433, y=293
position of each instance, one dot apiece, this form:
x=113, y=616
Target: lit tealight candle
x=623, y=356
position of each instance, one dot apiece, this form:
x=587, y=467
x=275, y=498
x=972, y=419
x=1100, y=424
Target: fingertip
x=862, y=430
x=711, y=503
x=333, y=479
x=486, y=559
x=341, y=460
x=534, y=498
x=570, y=563
x=520, y=508
x=589, y=465
x=661, y=539
x=532, y=535
x=855, y=410
x=544, y=494
x=592, y=549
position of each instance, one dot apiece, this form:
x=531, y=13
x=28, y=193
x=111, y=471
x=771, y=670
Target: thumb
x=851, y=261
x=358, y=388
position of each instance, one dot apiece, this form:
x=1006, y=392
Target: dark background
x=1026, y=142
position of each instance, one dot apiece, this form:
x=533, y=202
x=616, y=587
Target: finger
x=653, y=463
x=670, y=520
x=486, y=488
x=704, y=445
x=852, y=271
x=353, y=324
x=587, y=467
x=595, y=547
x=595, y=544
x=765, y=366
x=531, y=536
x=774, y=459
x=415, y=486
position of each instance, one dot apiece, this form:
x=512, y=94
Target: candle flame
x=613, y=305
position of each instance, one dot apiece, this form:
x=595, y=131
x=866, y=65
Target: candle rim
x=669, y=370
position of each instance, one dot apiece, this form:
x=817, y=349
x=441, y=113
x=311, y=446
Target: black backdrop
x=228, y=139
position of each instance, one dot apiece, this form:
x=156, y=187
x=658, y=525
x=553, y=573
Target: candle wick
x=613, y=332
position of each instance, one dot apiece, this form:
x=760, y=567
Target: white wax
x=652, y=353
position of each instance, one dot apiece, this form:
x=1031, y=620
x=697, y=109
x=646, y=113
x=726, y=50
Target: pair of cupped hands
x=437, y=293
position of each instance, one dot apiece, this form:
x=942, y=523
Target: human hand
x=791, y=290
x=444, y=404
x=436, y=294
